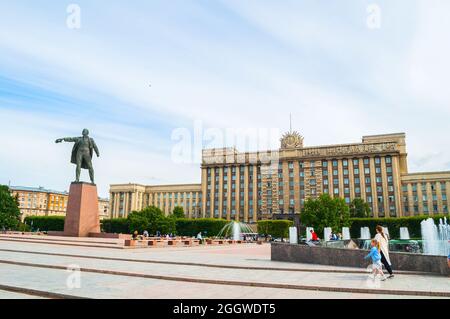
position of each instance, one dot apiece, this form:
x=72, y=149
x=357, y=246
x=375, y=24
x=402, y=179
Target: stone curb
x=243, y=283
x=38, y=293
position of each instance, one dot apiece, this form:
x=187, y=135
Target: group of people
x=379, y=253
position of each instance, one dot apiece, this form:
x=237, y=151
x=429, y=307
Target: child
x=376, y=260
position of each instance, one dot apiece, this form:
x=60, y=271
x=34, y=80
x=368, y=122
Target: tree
x=359, y=208
x=178, y=212
x=151, y=219
x=9, y=209
x=326, y=212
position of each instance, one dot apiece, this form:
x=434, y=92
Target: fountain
x=308, y=233
x=327, y=233
x=235, y=230
x=435, y=238
x=404, y=233
x=345, y=233
x=365, y=233
x=293, y=238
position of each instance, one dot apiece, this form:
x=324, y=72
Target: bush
x=275, y=228
x=191, y=227
x=115, y=226
x=393, y=224
x=46, y=223
x=151, y=219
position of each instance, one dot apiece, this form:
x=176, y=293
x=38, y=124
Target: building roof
x=39, y=189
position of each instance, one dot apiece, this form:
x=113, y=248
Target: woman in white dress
x=383, y=241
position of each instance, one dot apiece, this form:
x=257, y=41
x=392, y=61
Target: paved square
x=38, y=267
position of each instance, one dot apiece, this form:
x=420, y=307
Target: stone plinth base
x=82, y=217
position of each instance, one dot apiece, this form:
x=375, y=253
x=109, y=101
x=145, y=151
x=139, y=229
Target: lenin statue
x=82, y=153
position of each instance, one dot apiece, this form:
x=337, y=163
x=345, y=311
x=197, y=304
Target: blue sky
x=230, y=63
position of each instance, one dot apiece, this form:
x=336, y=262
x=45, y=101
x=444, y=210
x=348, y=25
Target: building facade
x=255, y=185
x=126, y=198
x=44, y=202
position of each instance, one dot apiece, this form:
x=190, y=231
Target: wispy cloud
x=136, y=71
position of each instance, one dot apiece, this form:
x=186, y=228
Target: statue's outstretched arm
x=67, y=139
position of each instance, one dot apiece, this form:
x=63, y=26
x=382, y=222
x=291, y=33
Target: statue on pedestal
x=82, y=153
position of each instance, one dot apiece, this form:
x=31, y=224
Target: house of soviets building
x=255, y=185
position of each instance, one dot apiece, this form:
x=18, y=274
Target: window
x=366, y=161
x=345, y=163
x=312, y=182
x=335, y=172
x=336, y=191
x=356, y=171
x=377, y=160
x=367, y=171
x=325, y=163
x=335, y=163
x=388, y=160
x=355, y=162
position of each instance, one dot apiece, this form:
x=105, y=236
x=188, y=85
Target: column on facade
x=255, y=193
x=191, y=206
x=410, y=199
x=246, y=193
x=213, y=192
x=229, y=193
x=166, y=204
x=362, y=179
x=297, y=186
x=429, y=198
x=373, y=185
x=330, y=178
x=204, y=190
x=420, y=197
x=238, y=192
x=351, y=177
x=133, y=201
x=397, y=182
x=439, y=197
x=220, y=207
x=286, y=186
x=126, y=204
x=384, y=184
x=111, y=204
x=447, y=187
x=341, y=178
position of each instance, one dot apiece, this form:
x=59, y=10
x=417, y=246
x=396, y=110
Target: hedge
x=208, y=226
x=46, y=223
x=275, y=228
x=115, y=226
x=393, y=224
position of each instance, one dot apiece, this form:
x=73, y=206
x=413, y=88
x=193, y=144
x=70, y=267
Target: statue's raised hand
x=59, y=140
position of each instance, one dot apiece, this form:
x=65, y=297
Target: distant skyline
x=137, y=71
